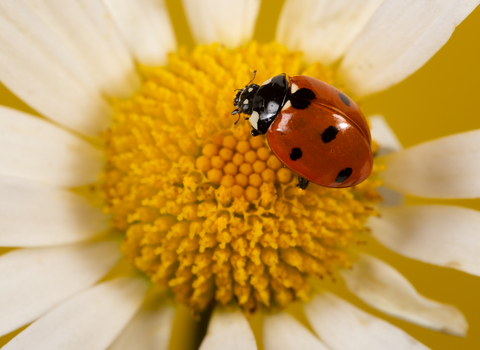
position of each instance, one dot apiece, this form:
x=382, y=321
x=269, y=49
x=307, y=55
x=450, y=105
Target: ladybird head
x=244, y=99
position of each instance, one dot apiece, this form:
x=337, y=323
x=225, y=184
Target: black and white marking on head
x=301, y=97
x=268, y=102
x=243, y=99
x=343, y=175
x=267, y=82
x=329, y=134
x=296, y=154
x=344, y=98
x=254, y=119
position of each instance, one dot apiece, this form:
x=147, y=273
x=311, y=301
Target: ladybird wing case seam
x=335, y=110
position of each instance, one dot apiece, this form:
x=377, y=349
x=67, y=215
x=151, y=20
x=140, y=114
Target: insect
x=313, y=128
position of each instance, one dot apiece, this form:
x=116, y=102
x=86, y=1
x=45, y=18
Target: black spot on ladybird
x=299, y=103
x=304, y=93
x=300, y=98
x=329, y=134
x=343, y=175
x=344, y=98
x=296, y=154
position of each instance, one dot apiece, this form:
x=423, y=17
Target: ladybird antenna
x=254, y=75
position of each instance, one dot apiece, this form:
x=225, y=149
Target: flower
x=64, y=73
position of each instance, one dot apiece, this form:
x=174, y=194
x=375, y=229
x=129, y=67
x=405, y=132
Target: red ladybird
x=314, y=129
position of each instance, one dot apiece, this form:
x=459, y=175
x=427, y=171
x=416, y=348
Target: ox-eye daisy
x=203, y=213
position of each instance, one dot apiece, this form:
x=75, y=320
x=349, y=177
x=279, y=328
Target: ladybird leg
x=255, y=132
x=302, y=182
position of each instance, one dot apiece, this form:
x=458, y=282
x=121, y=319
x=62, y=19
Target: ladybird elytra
x=313, y=128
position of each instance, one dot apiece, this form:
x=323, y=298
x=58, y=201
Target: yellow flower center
x=207, y=210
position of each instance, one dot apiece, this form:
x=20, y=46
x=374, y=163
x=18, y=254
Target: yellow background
x=440, y=99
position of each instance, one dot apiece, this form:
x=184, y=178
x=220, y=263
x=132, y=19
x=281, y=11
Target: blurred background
x=440, y=99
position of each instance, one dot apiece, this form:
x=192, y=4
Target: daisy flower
x=132, y=192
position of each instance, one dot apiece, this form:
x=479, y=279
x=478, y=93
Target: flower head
x=208, y=210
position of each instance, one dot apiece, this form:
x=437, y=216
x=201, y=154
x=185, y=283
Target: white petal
x=444, y=168
x=148, y=330
x=89, y=320
x=87, y=30
x=227, y=22
x=282, y=331
x=343, y=326
x=33, y=214
x=384, y=288
x=400, y=38
x=323, y=29
x=436, y=234
x=228, y=330
x=35, y=280
x=387, y=142
x=146, y=28
x=390, y=197
x=32, y=148
x=383, y=135
x=39, y=69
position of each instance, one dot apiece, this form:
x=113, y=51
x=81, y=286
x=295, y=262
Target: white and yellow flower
x=174, y=160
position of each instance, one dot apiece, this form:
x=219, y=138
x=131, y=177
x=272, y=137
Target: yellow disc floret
x=207, y=210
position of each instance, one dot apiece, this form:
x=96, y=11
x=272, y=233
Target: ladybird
x=313, y=128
